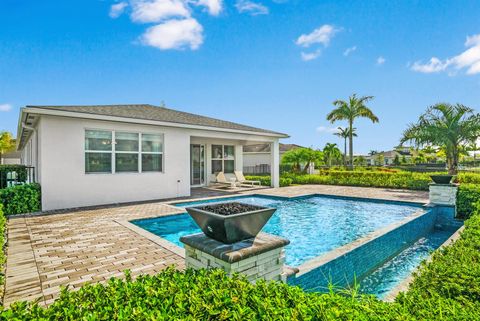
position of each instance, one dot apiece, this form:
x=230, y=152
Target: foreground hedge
x=446, y=288
x=2, y=252
x=21, y=199
x=467, y=195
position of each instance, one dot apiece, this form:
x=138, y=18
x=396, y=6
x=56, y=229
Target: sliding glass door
x=197, y=165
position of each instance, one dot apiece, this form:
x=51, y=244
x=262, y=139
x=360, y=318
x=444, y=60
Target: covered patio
x=212, y=155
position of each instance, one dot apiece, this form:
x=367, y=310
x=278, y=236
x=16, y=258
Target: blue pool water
x=314, y=225
x=394, y=271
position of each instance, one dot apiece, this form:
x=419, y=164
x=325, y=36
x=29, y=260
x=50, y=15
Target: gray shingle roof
x=265, y=148
x=150, y=112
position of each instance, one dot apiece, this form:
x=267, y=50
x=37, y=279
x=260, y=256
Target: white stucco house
x=95, y=155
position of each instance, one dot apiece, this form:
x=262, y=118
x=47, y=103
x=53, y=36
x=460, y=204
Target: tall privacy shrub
x=21, y=199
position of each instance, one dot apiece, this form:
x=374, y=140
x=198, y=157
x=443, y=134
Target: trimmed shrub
x=467, y=195
x=265, y=180
x=402, y=180
x=21, y=199
x=3, y=221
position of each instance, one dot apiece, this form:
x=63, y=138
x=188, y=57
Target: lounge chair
x=243, y=181
x=221, y=179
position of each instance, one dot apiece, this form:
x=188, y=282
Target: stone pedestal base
x=443, y=194
x=259, y=258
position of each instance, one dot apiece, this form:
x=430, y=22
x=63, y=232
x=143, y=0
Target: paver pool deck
x=46, y=252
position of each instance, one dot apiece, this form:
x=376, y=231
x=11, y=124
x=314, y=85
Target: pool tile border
x=349, y=247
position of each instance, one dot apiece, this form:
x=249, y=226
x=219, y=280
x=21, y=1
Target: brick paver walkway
x=46, y=252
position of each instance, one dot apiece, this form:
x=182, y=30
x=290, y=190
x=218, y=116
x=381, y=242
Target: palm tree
x=349, y=111
x=331, y=152
x=447, y=126
x=345, y=133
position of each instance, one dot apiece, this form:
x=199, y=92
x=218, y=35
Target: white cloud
x=117, y=9
x=321, y=35
x=381, y=60
x=328, y=130
x=469, y=60
x=214, y=7
x=348, y=51
x=250, y=7
x=145, y=11
x=434, y=65
x=307, y=56
x=174, y=34
x=5, y=107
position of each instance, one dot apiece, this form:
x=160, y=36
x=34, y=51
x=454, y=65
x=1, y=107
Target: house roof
x=142, y=112
x=150, y=112
x=265, y=148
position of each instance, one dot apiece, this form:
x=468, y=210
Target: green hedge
x=265, y=180
x=377, y=178
x=445, y=288
x=21, y=171
x=403, y=180
x=21, y=199
x=468, y=194
x=2, y=243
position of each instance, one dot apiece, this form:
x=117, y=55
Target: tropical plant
x=7, y=143
x=350, y=110
x=396, y=160
x=302, y=157
x=345, y=133
x=447, y=126
x=331, y=153
x=360, y=161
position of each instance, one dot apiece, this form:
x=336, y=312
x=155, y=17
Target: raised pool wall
x=350, y=263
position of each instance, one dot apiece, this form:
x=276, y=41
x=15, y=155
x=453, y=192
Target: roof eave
x=45, y=111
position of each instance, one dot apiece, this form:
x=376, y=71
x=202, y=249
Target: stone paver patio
x=49, y=251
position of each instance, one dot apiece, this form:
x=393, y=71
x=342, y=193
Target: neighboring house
x=389, y=156
x=11, y=158
x=259, y=154
x=93, y=155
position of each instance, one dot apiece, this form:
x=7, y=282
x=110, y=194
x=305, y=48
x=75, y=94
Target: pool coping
x=180, y=251
x=405, y=284
x=324, y=258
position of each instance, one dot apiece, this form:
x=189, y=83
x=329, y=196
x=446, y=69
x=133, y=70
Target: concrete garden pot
x=243, y=223
x=442, y=179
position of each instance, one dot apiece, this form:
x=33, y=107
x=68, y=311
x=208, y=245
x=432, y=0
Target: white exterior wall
x=65, y=183
x=61, y=163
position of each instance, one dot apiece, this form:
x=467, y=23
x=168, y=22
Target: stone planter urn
x=230, y=222
x=442, y=179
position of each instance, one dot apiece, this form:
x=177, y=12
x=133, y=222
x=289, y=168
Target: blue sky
x=274, y=64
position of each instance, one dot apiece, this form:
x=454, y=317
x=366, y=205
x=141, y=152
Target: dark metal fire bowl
x=231, y=228
x=442, y=179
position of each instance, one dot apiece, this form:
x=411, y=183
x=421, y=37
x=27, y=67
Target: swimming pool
x=314, y=225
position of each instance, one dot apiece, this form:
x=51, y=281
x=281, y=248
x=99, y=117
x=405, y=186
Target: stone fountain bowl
x=442, y=179
x=231, y=222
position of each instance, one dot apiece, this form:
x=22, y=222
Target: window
x=128, y=152
x=98, y=151
x=223, y=158
x=152, y=153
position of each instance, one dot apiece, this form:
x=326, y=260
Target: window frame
x=113, y=151
x=223, y=158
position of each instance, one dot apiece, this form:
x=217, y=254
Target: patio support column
x=275, y=163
